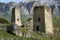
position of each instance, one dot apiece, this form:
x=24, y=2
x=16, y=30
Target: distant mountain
x=57, y=1
x=26, y=8
x=31, y=5
x=5, y=9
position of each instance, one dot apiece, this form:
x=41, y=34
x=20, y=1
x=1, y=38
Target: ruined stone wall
x=48, y=20
x=16, y=18
x=42, y=19
x=38, y=19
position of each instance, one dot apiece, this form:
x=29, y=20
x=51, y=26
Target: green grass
x=56, y=37
x=56, y=22
x=35, y=35
x=4, y=25
x=5, y=35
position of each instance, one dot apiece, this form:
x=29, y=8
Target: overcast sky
x=10, y=1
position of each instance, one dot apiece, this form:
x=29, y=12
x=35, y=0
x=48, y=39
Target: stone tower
x=42, y=20
x=16, y=19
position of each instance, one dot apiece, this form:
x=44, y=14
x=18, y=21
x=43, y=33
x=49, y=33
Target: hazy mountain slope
x=6, y=8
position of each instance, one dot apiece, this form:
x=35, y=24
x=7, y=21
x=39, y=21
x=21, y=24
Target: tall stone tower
x=16, y=19
x=42, y=19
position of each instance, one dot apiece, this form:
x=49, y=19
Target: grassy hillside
x=3, y=21
x=56, y=37
x=5, y=16
x=56, y=22
x=5, y=35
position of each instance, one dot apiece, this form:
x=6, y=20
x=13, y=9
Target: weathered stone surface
x=48, y=20
x=42, y=19
x=16, y=19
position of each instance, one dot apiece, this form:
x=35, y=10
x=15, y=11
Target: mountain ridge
x=6, y=8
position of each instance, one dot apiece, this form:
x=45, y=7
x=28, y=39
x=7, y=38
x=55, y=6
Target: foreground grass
x=56, y=37
x=5, y=35
x=56, y=22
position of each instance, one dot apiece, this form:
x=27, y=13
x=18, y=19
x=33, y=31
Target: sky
x=10, y=1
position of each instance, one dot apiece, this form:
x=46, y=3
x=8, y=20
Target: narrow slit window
x=38, y=19
x=17, y=19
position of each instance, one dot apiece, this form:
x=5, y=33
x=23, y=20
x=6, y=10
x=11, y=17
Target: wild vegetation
x=5, y=35
x=3, y=21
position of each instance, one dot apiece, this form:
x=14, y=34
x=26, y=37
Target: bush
x=2, y=21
